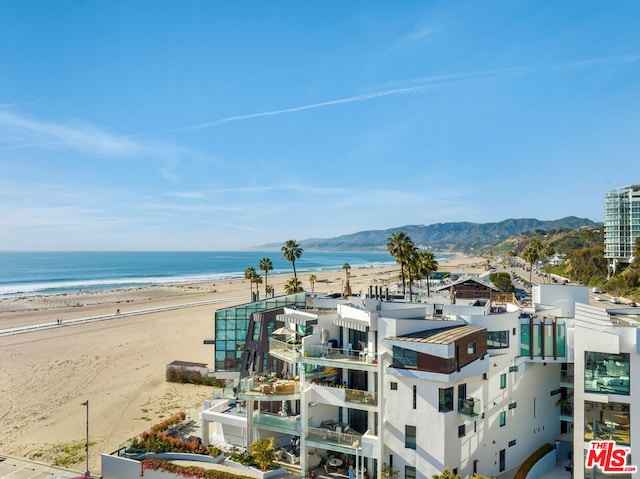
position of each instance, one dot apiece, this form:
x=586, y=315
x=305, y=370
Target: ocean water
x=35, y=273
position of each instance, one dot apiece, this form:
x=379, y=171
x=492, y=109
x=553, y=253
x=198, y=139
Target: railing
x=360, y=397
x=342, y=354
x=282, y=423
x=284, y=350
x=469, y=407
x=267, y=385
x=330, y=437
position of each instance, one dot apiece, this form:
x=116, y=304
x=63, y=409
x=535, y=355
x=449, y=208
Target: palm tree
x=426, y=264
x=249, y=273
x=256, y=279
x=292, y=251
x=265, y=265
x=292, y=286
x=312, y=279
x=400, y=246
x=530, y=255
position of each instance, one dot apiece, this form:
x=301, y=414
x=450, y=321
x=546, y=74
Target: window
x=608, y=420
x=410, y=437
x=503, y=418
x=409, y=472
x=471, y=348
x=462, y=430
x=513, y=405
x=445, y=399
x=394, y=386
x=512, y=443
x=503, y=459
x=497, y=339
x=503, y=380
x=606, y=373
x=415, y=396
x=404, y=358
x=513, y=369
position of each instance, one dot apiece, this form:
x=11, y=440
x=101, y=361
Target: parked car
x=598, y=298
x=632, y=304
x=614, y=300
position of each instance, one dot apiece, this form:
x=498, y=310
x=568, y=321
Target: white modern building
x=473, y=386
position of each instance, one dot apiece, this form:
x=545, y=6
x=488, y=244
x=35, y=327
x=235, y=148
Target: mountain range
x=461, y=236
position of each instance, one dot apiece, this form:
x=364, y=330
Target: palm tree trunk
x=295, y=276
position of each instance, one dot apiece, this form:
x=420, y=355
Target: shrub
x=187, y=472
x=155, y=440
x=183, y=375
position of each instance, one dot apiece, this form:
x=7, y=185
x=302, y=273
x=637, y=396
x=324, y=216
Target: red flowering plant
x=156, y=440
x=188, y=472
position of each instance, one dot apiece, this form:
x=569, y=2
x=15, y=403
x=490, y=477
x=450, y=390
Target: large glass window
x=445, y=399
x=410, y=437
x=503, y=380
x=497, y=339
x=606, y=373
x=607, y=421
x=404, y=358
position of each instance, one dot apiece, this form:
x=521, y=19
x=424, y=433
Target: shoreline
x=119, y=364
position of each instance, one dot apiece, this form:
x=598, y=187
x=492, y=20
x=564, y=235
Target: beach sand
x=119, y=364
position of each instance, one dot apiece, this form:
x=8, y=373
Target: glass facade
x=607, y=422
x=404, y=358
x=606, y=373
x=529, y=344
x=497, y=339
x=231, y=328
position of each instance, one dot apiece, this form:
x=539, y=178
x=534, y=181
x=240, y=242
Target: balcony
x=327, y=393
x=333, y=440
x=273, y=389
x=285, y=351
x=276, y=422
x=469, y=408
x=340, y=357
x=359, y=398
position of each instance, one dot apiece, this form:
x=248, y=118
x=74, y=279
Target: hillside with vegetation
x=583, y=263
x=464, y=237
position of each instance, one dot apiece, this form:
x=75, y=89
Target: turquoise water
x=33, y=273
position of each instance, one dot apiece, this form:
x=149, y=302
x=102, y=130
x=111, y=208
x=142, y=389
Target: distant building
x=621, y=225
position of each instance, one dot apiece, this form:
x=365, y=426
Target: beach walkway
x=117, y=314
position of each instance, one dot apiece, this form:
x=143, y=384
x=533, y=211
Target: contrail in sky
x=431, y=83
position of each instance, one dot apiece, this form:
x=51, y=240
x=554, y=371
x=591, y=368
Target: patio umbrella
x=283, y=331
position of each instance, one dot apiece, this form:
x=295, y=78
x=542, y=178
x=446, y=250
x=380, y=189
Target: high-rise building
x=621, y=224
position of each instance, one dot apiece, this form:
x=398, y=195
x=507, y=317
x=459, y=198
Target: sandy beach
x=118, y=364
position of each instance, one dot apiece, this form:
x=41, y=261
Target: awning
x=356, y=324
x=297, y=318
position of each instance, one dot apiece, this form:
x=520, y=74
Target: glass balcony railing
x=360, y=397
x=340, y=354
x=284, y=350
x=332, y=438
x=469, y=407
x=276, y=422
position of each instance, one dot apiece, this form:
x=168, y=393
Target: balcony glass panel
x=360, y=397
x=469, y=407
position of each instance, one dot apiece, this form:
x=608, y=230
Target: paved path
x=89, y=319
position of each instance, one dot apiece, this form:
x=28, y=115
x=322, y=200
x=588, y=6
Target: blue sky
x=202, y=125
